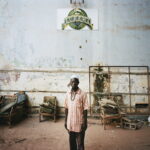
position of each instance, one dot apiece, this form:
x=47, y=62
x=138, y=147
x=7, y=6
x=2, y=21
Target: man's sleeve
x=85, y=102
x=66, y=103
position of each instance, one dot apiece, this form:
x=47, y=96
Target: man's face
x=74, y=83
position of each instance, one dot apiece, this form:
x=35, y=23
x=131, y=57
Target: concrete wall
x=30, y=42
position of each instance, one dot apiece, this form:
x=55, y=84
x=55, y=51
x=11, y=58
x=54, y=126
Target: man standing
x=76, y=106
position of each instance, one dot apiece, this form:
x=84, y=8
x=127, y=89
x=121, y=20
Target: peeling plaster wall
x=29, y=40
x=38, y=84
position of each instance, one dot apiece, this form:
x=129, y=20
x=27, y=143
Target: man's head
x=74, y=82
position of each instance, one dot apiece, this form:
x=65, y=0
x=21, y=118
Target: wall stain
x=143, y=27
x=4, y=4
x=100, y=80
x=17, y=76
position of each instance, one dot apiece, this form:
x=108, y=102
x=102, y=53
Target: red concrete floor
x=29, y=134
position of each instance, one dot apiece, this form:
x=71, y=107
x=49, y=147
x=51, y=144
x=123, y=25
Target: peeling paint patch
x=17, y=76
x=4, y=78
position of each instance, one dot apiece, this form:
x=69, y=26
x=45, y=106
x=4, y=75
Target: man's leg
x=72, y=141
x=80, y=140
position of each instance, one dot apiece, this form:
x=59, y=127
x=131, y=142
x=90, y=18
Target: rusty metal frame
x=129, y=73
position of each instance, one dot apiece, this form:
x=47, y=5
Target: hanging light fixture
x=77, y=2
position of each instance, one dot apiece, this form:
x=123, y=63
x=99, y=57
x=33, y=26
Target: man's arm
x=84, y=125
x=66, y=115
x=85, y=111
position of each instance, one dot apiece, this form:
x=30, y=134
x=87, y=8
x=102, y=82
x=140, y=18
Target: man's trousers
x=76, y=140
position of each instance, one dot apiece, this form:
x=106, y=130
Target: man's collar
x=77, y=92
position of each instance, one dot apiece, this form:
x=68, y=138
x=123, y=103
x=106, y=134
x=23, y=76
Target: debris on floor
x=131, y=123
x=20, y=140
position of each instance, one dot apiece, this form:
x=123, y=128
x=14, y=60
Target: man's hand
x=84, y=124
x=66, y=115
x=65, y=126
x=83, y=127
